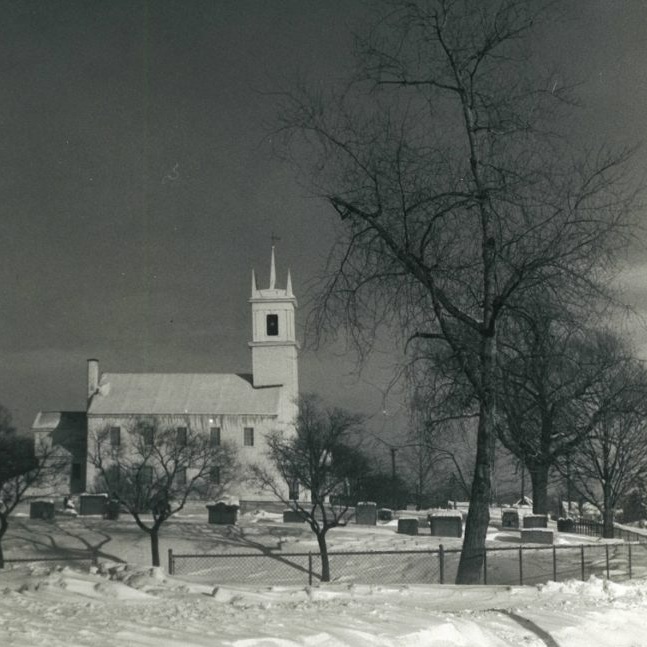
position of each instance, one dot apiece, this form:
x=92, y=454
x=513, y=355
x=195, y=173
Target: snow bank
x=126, y=604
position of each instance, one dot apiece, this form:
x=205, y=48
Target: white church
x=240, y=409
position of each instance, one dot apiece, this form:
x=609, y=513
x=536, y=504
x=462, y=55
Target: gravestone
x=91, y=504
x=385, y=514
x=537, y=536
x=41, y=510
x=366, y=513
x=446, y=524
x=510, y=519
x=292, y=516
x=223, y=514
x=408, y=526
x=535, y=521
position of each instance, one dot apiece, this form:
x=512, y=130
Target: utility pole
x=393, y=488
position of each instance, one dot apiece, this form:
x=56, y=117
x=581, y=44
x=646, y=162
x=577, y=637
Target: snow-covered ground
x=126, y=605
x=130, y=604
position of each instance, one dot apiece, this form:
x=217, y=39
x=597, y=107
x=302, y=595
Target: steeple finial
x=272, y=272
x=254, y=288
x=288, y=286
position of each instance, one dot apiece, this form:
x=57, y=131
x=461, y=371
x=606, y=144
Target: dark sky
x=138, y=188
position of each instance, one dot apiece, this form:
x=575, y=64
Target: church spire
x=288, y=286
x=272, y=272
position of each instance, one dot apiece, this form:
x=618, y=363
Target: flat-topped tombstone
x=446, y=523
x=223, y=513
x=408, y=526
x=91, y=504
x=293, y=516
x=535, y=521
x=537, y=536
x=366, y=513
x=41, y=510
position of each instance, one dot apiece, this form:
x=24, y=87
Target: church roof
x=180, y=393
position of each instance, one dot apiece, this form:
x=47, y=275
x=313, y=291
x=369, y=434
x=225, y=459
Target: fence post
x=441, y=562
x=582, y=560
x=485, y=566
x=520, y=565
x=310, y=569
x=629, y=547
x=171, y=565
x=606, y=551
x=554, y=563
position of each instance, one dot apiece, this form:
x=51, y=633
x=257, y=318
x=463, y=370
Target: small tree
x=551, y=365
x=321, y=458
x=634, y=505
x=157, y=469
x=20, y=469
x=612, y=459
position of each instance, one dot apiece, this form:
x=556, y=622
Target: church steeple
x=274, y=344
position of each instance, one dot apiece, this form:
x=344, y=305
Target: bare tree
x=454, y=194
x=320, y=458
x=155, y=470
x=551, y=364
x=21, y=468
x=612, y=459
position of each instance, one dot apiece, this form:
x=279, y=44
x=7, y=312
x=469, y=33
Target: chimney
x=93, y=377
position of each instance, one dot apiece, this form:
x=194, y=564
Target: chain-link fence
x=253, y=568
x=83, y=560
x=509, y=565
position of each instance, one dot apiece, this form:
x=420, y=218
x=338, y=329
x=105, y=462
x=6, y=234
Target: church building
x=239, y=409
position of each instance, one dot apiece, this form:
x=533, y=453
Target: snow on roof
x=179, y=393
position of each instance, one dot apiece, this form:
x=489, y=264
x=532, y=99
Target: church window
x=115, y=436
x=181, y=436
x=272, y=325
x=147, y=436
x=214, y=474
x=113, y=476
x=248, y=436
x=180, y=476
x=215, y=436
x=293, y=492
x=146, y=474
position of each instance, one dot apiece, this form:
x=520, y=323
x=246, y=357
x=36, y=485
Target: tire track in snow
x=530, y=626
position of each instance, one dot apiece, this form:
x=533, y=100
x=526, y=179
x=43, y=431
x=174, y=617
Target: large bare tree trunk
x=607, y=517
x=478, y=517
x=155, y=546
x=539, y=479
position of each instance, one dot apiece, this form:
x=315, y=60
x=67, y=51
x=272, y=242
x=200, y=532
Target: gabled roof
x=182, y=393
